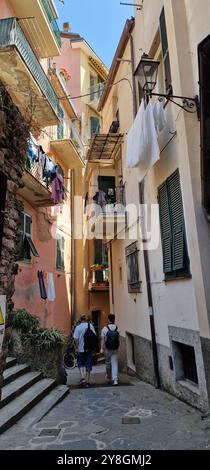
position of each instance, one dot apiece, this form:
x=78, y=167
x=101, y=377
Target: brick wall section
x=14, y=133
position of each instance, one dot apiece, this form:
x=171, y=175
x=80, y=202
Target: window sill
x=59, y=271
x=194, y=388
x=178, y=278
x=25, y=263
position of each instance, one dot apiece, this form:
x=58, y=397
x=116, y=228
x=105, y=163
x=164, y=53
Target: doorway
x=96, y=320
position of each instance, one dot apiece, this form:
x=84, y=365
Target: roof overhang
x=103, y=148
x=67, y=153
x=93, y=58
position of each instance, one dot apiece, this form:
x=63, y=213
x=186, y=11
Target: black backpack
x=90, y=340
x=112, y=339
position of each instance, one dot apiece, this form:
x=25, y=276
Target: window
x=107, y=185
x=101, y=257
x=60, y=128
x=3, y=191
x=134, y=283
x=93, y=83
x=165, y=51
x=26, y=247
x=60, y=259
x=174, y=245
x=94, y=126
x=185, y=363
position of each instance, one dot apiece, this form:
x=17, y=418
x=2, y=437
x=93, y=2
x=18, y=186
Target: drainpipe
x=73, y=318
x=145, y=252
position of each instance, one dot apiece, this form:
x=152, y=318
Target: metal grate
x=189, y=363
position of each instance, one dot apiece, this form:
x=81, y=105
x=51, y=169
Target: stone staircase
x=23, y=390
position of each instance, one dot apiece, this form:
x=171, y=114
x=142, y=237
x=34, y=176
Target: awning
x=103, y=148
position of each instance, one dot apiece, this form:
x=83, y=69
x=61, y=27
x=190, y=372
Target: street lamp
x=147, y=74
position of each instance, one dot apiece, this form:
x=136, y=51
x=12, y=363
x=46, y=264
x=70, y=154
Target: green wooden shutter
x=94, y=125
x=3, y=191
x=177, y=220
x=165, y=225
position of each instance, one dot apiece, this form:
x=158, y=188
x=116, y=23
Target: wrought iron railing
x=109, y=204
x=12, y=35
x=36, y=171
x=52, y=21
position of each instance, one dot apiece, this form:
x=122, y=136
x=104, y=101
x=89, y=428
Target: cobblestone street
x=93, y=419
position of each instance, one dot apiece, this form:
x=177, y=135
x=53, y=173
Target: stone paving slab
x=93, y=419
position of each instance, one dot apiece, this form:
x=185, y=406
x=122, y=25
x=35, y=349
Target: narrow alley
x=104, y=225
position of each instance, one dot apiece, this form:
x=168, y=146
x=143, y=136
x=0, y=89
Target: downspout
x=73, y=318
x=145, y=252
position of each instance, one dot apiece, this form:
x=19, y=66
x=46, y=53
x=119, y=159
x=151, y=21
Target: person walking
x=86, y=340
x=110, y=341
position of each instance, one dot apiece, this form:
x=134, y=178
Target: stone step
x=12, y=412
x=45, y=406
x=14, y=372
x=10, y=361
x=18, y=386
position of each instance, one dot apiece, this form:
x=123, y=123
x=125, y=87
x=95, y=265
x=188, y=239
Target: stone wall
x=14, y=133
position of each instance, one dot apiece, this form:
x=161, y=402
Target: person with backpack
x=110, y=342
x=86, y=342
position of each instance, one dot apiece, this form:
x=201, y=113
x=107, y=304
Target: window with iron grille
x=132, y=261
x=186, y=364
x=26, y=247
x=174, y=245
x=60, y=258
x=165, y=52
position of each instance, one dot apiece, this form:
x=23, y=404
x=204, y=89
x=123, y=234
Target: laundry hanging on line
x=51, y=295
x=42, y=288
x=142, y=144
x=159, y=116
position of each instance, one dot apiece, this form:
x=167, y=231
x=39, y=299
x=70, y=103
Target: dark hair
x=111, y=318
x=83, y=317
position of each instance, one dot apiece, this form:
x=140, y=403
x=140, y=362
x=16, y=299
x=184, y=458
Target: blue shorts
x=84, y=359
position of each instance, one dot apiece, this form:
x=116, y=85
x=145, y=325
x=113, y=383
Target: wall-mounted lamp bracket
x=190, y=105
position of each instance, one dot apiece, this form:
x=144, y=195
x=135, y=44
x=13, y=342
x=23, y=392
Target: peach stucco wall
x=27, y=294
x=6, y=10
x=70, y=60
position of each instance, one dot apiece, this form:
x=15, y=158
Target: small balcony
x=37, y=191
x=67, y=144
x=25, y=78
x=39, y=25
x=106, y=218
x=99, y=278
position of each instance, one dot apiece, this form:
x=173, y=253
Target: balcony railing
x=36, y=171
x=109, y=204
x=99, y=278
x=52, y=21
x=12, y=35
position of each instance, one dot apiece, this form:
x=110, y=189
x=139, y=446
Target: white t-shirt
x=79, y=334
x=105, y=330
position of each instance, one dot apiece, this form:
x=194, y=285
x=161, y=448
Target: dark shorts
x=84, y=359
